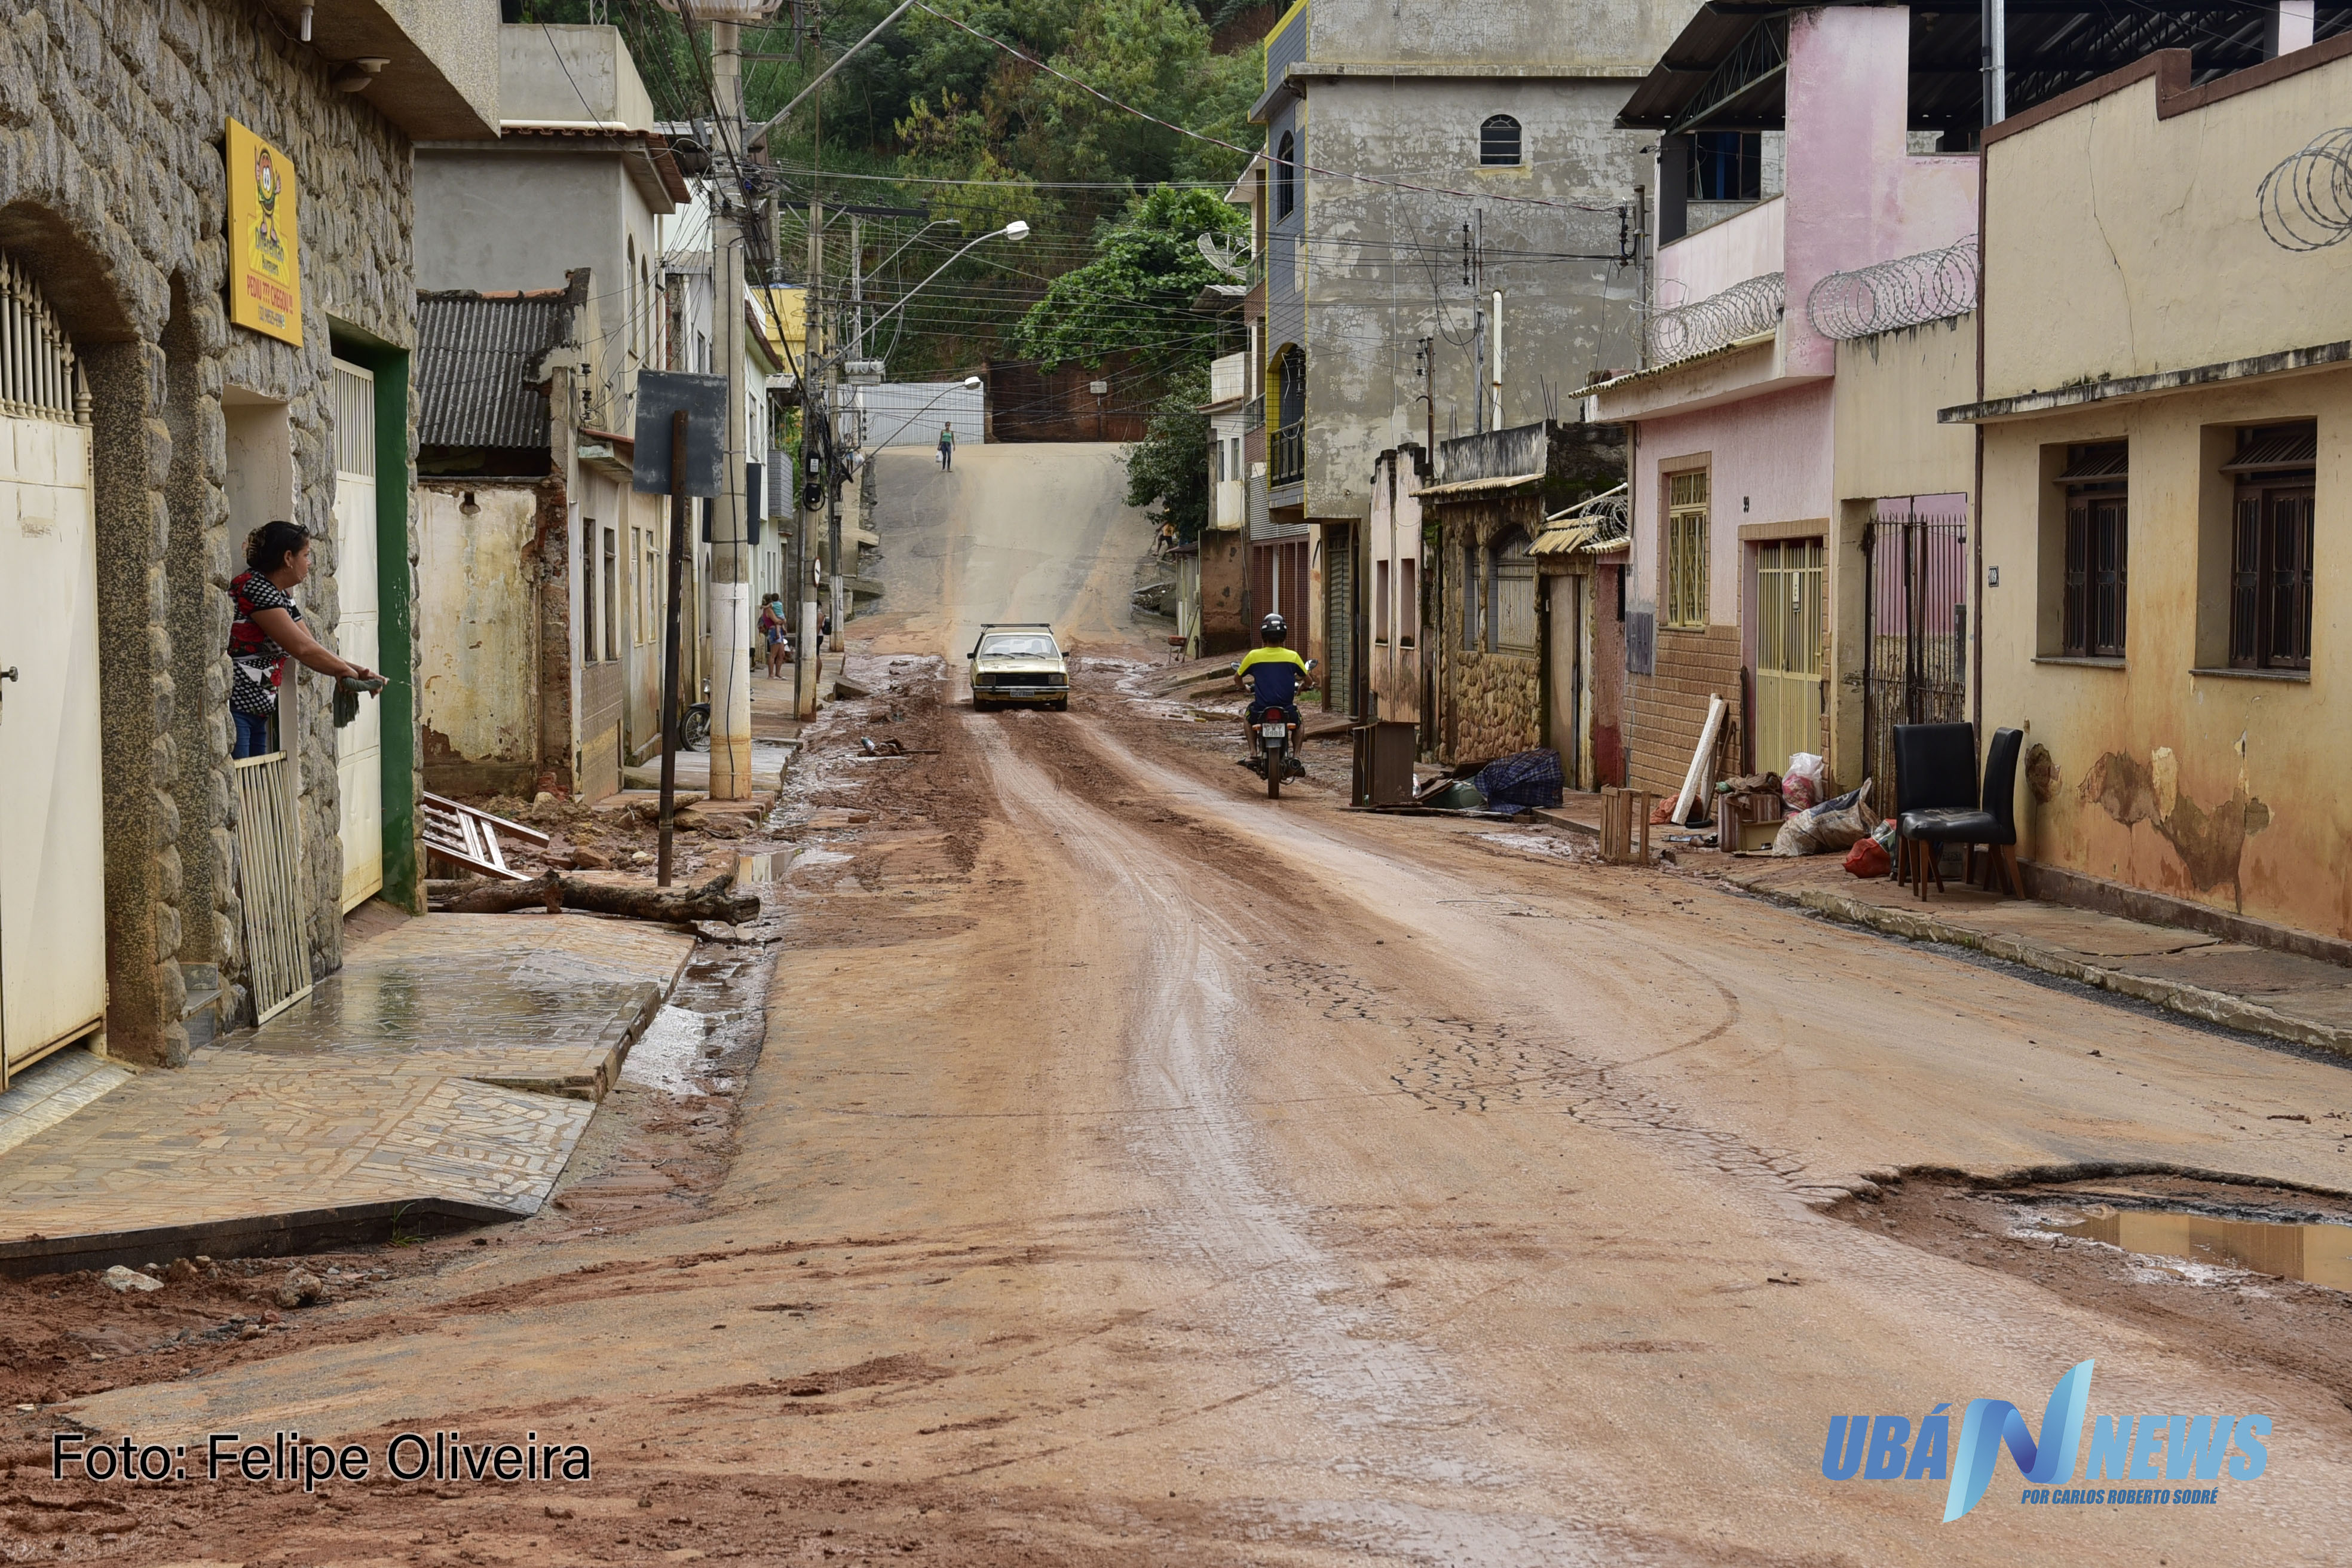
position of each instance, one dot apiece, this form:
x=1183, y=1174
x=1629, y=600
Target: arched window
x=1285, y=174
x=1498, y=143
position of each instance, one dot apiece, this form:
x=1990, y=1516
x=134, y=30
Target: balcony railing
x=1287, y=456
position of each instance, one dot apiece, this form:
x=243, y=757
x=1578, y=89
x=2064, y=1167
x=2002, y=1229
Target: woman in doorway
x=267, y=627
x=771, y=633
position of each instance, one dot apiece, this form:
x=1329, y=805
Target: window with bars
x=2097, y=579
x=1684, y=604
x=1285, y=175
x=1498, y=143
x=2271, y=542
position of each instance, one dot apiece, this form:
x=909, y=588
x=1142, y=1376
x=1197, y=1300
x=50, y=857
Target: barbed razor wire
x=1686, y=332
x=1908, y=292
x=2306, y=201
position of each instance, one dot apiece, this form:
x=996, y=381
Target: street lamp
x=1016, y=229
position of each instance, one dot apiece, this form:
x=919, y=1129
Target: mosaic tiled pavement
x=444, y=1073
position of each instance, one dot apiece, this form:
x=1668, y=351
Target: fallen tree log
x=716, y=900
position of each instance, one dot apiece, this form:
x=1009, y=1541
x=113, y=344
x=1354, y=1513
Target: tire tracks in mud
x=1501, y=1059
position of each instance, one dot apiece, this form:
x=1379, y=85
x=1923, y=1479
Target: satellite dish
x=1226, y=260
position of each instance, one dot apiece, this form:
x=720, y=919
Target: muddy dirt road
x=1138, y=1171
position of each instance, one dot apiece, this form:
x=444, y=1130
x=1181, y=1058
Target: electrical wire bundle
x=1908, y=292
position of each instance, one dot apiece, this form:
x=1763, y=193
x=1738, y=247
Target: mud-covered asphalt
x=1134, y=1171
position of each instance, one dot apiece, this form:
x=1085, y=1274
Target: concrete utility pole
x=815, y=416
x=730, y=594
x=837, y=582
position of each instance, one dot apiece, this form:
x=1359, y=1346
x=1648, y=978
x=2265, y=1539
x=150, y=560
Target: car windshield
x=1031, y=645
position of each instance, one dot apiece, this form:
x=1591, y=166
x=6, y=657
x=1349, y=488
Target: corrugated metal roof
x=475, y=356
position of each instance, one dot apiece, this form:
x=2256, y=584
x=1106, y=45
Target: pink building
x=1798, y=512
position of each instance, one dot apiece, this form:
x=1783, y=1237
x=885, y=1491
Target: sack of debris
x=1523, y=778
x=1833, y=825
x=1868, y=857
x=1801, y=780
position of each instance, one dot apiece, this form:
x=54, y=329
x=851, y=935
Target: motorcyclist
x=1271, y=675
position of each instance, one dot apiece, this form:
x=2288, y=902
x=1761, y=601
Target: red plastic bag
x=1868, y=859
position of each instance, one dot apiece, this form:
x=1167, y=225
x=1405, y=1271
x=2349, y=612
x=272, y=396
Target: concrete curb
x=2191, y=1001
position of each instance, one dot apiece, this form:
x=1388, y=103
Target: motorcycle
x=1275, y=735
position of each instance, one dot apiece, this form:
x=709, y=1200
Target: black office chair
x=1935, y=774
x=1993, y=823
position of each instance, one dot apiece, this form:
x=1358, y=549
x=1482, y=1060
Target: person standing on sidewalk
x=771, y=633
x=268, y=627
x=946, y=446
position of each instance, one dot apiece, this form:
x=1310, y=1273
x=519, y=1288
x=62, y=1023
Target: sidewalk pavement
x=2256, y=989
x=445, y=1071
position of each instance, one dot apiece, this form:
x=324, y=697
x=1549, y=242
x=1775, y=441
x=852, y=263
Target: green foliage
x=1137, y=293
x=930, y=116
x=1168, y=469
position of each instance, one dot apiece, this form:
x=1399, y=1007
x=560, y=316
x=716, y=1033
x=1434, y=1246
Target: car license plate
x=1274, y=732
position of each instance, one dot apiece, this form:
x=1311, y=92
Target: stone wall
x=112, y=189
x=1493, y=701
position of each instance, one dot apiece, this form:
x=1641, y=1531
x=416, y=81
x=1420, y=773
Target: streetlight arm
x=1014, y=230
x=761, y=135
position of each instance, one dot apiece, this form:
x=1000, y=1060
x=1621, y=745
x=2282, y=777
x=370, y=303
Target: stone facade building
x=116, y=214
x=1514, y=668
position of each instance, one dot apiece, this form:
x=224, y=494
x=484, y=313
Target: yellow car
x=1018, y=661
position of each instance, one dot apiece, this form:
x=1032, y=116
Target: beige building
x=2165, y=489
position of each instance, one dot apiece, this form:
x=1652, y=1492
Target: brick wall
x=1669, y=709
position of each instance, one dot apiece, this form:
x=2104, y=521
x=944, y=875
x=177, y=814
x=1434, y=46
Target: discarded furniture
x=1992, y=824
x=1626, y=818
x=1935, y=777
x=1384, y=753
x=468, y=836
x=1751, y=819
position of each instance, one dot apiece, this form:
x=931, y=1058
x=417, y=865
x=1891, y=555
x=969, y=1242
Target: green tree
x=1137, y=293
x=1168, y=469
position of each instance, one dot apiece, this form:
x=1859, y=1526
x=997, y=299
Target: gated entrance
x=52, y=849
x=359, y=747
x=1915, y=619
x=1789, y=634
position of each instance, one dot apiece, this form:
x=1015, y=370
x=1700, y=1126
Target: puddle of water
x=665, y=1056
x=768, y=866
x=2321, y=1254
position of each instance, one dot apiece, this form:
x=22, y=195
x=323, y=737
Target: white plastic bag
x=1802, y=781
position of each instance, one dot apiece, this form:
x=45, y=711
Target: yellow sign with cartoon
x=265, y=253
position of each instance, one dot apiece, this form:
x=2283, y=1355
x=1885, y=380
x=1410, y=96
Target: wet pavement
x=444, y=1073
x=2285, y=996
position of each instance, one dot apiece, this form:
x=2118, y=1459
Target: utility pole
x=815, y=424
x=837, y=582
x=730, y=595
